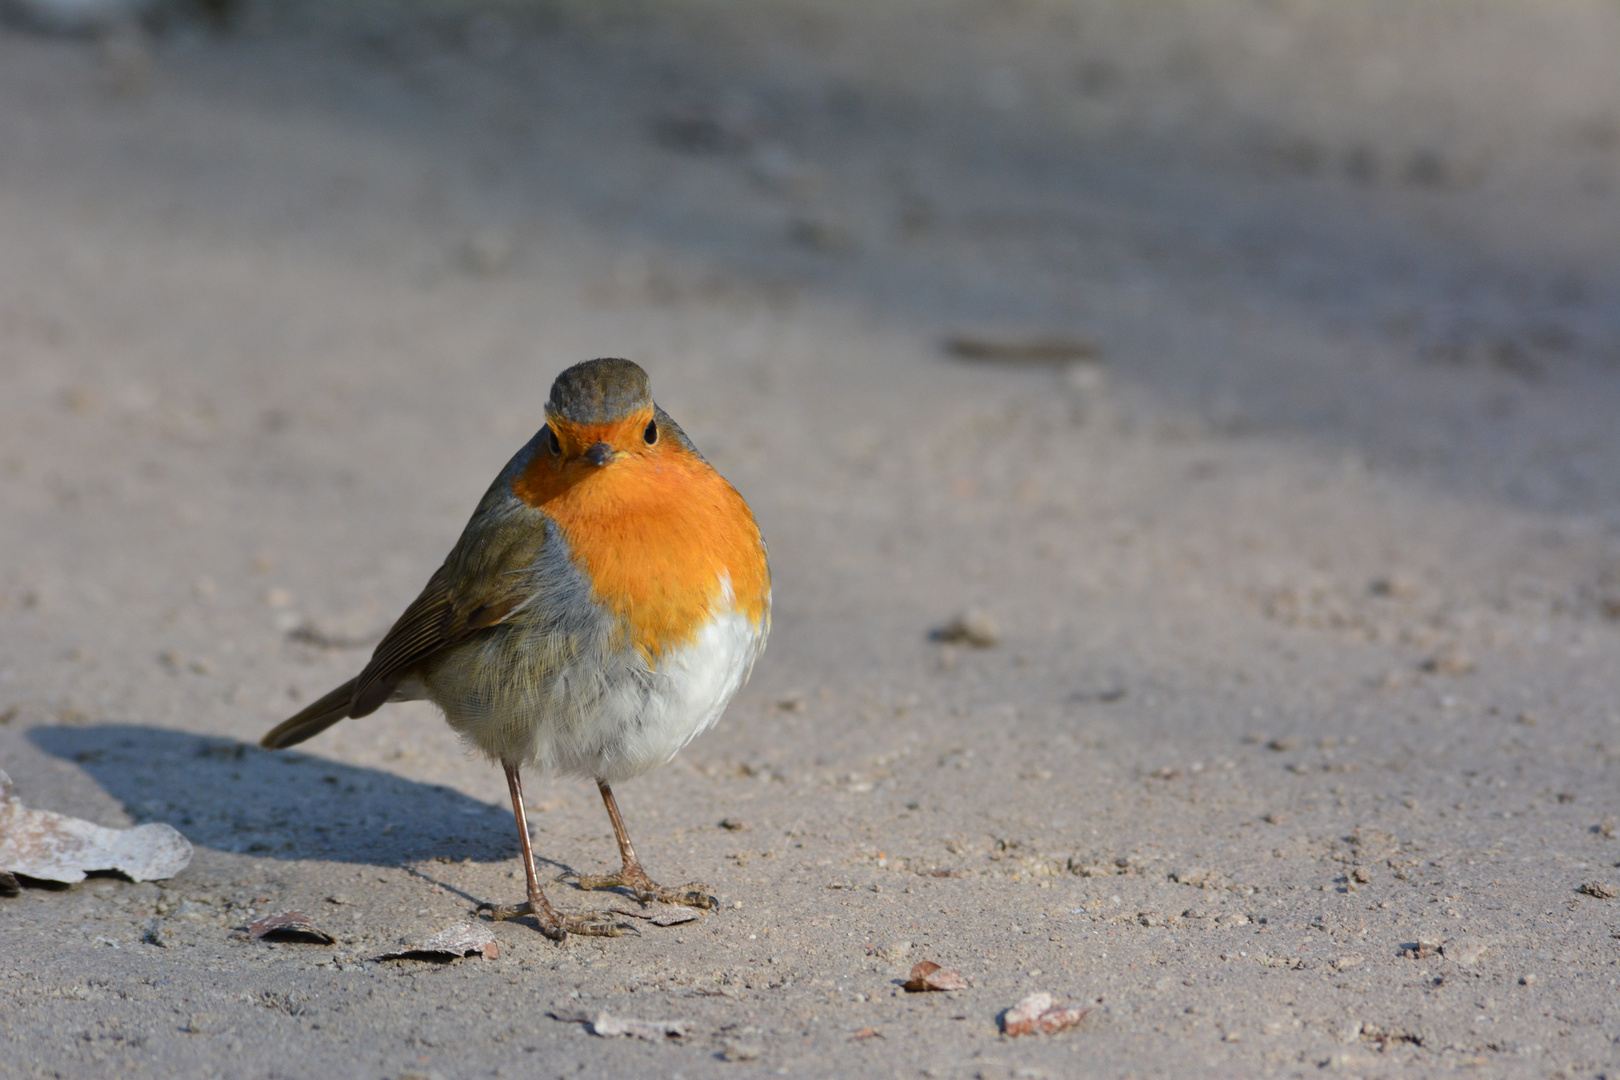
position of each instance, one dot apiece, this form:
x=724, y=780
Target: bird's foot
x=645, y=889
x=556, y=926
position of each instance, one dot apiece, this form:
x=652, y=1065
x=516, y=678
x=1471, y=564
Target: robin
x=608, y=597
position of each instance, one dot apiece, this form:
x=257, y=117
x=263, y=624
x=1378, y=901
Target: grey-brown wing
x=459, y=601
x=440, y=617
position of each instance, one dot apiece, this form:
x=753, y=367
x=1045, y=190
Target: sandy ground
x=1299, y=740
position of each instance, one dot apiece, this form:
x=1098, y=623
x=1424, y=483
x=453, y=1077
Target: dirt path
x=1298, y=741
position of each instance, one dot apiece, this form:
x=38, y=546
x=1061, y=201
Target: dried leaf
x=605, y=1025
x=660, y=915
x=928, y=975
x=458, y=939
x=973, y=627
x=1030, y=350
x=289, y=926
x=55, y=847
x=1041, y=1014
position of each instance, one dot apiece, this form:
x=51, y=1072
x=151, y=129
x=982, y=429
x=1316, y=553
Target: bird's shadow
x=233, y=796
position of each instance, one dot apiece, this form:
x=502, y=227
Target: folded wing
x=472, y=591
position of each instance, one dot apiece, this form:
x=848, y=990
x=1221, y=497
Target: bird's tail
x=313, y=720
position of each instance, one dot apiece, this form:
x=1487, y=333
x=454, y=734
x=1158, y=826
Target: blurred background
x=1082, y=317
x=968, y=298
x=1185, y=431
x=1301, y=214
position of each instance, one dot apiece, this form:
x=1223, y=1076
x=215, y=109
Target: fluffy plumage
x=608, y=597
x=595, y=615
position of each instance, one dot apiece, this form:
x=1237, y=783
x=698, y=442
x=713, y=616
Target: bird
x=606, y=600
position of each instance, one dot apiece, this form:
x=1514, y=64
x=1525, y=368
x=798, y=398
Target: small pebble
x=892, y=951
x=1397, y=586
x=1449, y=661
x=740, y=1051
x=1465, y=951
x=973, y=627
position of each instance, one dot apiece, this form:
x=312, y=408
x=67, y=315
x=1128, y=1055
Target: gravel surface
x=1185, y=434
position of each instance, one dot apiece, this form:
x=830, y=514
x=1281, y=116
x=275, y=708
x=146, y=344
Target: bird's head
x=600, y=412
x=600, y=422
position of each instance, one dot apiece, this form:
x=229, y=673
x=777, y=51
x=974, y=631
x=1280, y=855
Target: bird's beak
x=600, y=454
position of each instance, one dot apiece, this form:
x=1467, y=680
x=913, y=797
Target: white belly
x=638, y=728
x=598, y=713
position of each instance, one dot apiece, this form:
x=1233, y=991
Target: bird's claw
x=648, y=891
x=555, y=926
x=692, y=894
x=502, y=912
x=595, y=924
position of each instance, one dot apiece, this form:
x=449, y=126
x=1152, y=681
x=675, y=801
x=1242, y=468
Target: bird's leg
x=633, y=877
x=554, y=926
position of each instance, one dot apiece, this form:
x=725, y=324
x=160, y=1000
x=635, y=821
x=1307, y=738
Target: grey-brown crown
x=599, y=391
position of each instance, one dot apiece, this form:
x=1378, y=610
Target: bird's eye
x=651, y=434
x=556, y=445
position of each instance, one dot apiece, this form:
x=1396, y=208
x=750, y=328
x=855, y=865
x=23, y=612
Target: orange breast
x=656, y=534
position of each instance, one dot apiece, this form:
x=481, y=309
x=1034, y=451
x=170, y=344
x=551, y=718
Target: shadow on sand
x=235, y=797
